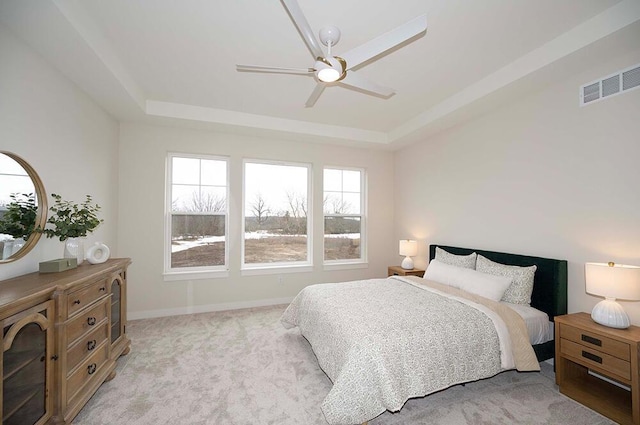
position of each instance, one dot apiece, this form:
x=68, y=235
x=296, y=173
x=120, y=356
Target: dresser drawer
x=86, y=371
x=603, y=344
x=81, y=298
x=86, y=345
x=597, y=359
x=86, y=320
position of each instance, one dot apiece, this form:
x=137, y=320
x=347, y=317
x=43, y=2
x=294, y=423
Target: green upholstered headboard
x=550, y=281
x=549, y=285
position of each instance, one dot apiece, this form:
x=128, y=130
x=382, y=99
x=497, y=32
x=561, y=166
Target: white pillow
x=485, y=285
x=466, y=261
x=521, y=288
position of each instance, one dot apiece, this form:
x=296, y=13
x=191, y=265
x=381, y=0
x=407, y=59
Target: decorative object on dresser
x=584, y=350
x=408, y=248
x=59, y=265
x=62, y=334
x=399, y=271
x=71, y=224
x=98, y=253
x=612, y=281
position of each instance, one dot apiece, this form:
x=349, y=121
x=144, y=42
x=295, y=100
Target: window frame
x=355, y=262
x=277, y=267
x=200, y=272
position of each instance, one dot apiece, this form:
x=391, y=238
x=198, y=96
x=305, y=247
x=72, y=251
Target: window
x=197, y=213
x=343, y=215
x=276, y=221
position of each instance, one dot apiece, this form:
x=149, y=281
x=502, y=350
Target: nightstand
x=399, y=271
x=582, y=347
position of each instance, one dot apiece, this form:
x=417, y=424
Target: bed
x=383, y=341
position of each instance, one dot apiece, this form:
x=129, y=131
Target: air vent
x=625, y=80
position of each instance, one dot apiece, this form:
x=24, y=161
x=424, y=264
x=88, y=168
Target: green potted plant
x=71, y=222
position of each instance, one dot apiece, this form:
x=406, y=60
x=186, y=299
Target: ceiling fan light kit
x=331, y=69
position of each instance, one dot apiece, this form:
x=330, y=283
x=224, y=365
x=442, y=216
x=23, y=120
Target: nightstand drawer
x=597, y=342
x=597, y=359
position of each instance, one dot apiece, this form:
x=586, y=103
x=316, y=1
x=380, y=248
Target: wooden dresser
x=62, y=333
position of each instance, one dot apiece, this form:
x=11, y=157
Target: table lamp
x=408, y=248
x=612, y=281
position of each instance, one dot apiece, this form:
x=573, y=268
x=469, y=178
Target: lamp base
x=407, y=263
x=609, y=313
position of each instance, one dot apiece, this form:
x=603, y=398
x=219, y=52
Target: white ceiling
x=168, y=60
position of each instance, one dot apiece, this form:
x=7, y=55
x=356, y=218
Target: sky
x=271, y=181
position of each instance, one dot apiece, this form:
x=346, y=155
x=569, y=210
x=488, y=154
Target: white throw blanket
x=383, y=341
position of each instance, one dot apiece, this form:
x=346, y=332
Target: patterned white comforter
x=383, y=341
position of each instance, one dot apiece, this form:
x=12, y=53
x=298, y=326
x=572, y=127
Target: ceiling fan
x=329, y=69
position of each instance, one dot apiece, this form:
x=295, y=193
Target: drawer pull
x=592, y=340
x=91, y=345
x=76, y=302
x=91, y=321
x=103, y=289
x=91, y=369
x=593, y=357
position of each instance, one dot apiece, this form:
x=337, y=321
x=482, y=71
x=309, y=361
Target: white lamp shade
x=610, y=280
x=408, y=248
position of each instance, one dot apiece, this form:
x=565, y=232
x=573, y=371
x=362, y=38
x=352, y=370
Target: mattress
x=538, y=324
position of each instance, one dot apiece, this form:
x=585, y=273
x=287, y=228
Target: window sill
x=194, y=275
x=279, y=269
x=345, y=266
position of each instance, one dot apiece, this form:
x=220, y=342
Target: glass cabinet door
x=115, y=310
x=117, y=305
x=26, y=366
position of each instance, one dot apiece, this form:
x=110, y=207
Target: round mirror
x=23, y=207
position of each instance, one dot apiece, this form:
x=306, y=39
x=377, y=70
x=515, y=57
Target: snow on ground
x=182, y=245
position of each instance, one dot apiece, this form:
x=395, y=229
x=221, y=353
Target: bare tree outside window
x=260, y=210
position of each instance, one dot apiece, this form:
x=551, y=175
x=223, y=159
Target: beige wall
x=143, y=152
x=69, y=140
x=541, y=176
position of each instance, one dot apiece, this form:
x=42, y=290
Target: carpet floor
x=242, y=367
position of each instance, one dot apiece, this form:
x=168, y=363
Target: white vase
x=74, y=248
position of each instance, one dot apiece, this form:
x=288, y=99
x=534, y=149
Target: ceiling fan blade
x=258, y=68
x=303, y=26
x=381, y=44
x=354, y=80
x=315, y=95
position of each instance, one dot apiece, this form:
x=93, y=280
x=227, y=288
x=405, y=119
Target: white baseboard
x=149, y=314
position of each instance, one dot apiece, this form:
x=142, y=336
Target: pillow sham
x=466, y=261
x=485, y=285
x=521, y=288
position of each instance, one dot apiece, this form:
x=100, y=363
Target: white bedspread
x=383, y=341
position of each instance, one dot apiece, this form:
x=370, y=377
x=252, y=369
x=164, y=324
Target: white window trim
x=204, y=272
x=363, y=261
x=278, y=267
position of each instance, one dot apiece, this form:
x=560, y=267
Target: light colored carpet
x=242, y=367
